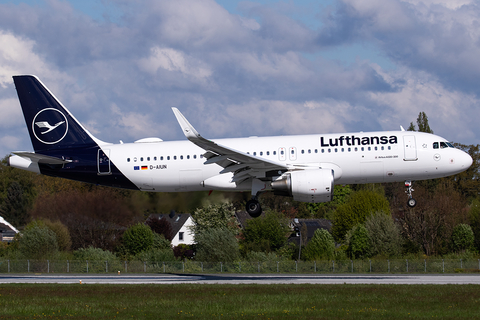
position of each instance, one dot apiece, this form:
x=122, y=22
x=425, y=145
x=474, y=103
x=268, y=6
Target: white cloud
x=175, y=61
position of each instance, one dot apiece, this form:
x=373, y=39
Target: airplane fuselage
x=305, y=167
x=174, y=166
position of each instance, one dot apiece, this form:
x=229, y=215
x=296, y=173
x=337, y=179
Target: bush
x=358, y=242
x=385, y=237
x=138, y=238
x=160, y=243
x=267, y=233
x=217, y=245
x=38, y=242
x=462, y=238
x=356, y=211
x=183, y=251
x=155, y=255
x=94, y=254
x=320, y=247
x=64, y=240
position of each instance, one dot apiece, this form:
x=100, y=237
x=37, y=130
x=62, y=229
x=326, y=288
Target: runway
x=241, y=279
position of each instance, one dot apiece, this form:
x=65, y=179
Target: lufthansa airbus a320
x=305, y=167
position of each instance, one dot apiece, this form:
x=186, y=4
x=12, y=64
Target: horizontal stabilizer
x=40, y=158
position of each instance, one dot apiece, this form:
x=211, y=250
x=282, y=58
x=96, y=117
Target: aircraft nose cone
x=466, y=161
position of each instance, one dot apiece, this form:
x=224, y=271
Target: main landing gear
x=253, y=208
x=411, y=202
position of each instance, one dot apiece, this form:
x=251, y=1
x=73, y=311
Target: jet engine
x=314, y=185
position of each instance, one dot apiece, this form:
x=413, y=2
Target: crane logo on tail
x=50, y=126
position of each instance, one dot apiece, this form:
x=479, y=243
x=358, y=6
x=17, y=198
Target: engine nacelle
x=306, y=185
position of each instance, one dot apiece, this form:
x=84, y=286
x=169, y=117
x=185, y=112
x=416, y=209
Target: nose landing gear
x=411, y=202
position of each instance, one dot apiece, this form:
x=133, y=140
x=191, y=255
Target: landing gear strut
x=411, y=202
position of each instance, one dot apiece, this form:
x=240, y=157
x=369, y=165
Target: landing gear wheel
x=253, y=208
x=412, y=202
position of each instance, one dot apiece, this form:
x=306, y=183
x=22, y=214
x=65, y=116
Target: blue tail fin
x=50, y=124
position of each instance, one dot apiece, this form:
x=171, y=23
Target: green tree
x=385, y=237
x=266, y=233
x=361, y=205
x=422, y=123
x=38, y=241
x=138, y=238
x=474, y=219
x=15, y=205
x=64, y=240
x=320, y=247
x=161, y=226
x=358, y=242
x=462, y=238
x=217, y=245
x=215, y=216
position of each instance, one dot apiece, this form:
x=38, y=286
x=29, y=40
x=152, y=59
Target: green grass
x=75, y=301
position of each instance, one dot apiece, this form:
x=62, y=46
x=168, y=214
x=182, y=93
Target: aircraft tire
x=412, y=202
x=253, y=208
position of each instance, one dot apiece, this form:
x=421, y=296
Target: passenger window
x=274, y=153
x=255, y=153
x=181, y=157
x=303, y=151
x=268, y=153
x=435, y=145
x=316, y=150
x=141, y=159
x=369, y=148
x=343, y=150
x=148, y=158
x=188, y=157
x=261, y=153
x=128, y=159
x=329, y=150
x=194, y=156
x=161, y=158
x=174, y=157
x=323, y=150
x=349, y=149
x=363, y=149
x=168, y=157
x=154, y=158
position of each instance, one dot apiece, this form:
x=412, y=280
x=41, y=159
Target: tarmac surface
x=242, y=278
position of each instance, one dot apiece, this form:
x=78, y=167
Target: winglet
x=187, y=128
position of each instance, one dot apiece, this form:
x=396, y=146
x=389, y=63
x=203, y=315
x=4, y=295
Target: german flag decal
x=144, y=167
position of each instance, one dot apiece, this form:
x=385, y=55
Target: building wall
x=187, y=234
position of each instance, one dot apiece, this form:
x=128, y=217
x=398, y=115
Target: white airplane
x=305, y=167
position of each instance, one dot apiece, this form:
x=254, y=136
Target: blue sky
x=242, y=68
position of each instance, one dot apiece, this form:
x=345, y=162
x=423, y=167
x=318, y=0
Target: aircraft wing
x=242, y=164
x=40, y=158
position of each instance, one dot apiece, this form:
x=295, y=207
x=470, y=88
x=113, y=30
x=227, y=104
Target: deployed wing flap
x=230, y=159
x=41, y=158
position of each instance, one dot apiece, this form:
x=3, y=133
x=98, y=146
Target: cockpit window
x=442, y=145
